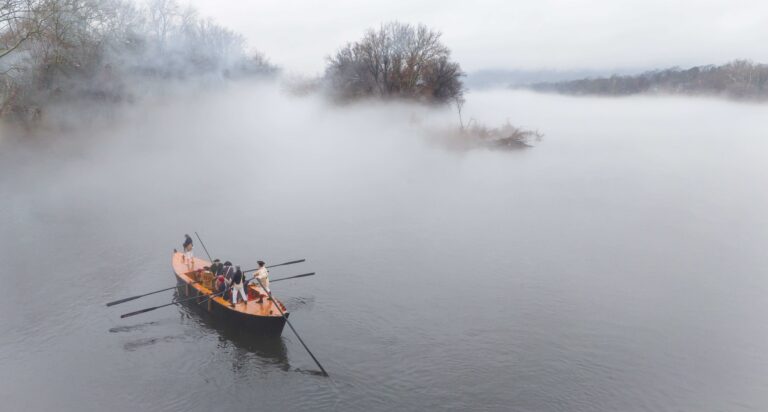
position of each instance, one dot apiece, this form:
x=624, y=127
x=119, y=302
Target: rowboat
x=255, y=318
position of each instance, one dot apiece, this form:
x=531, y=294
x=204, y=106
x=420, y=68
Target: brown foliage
x=397, y=60
x=507, y=136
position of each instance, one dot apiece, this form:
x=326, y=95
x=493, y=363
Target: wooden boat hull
x=256, y=319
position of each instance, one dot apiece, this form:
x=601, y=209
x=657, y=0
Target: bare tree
x=397, y=60
x=163, y=15
x=93, y=49
x=459, y=101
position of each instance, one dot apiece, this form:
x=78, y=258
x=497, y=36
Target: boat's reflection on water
x=248, y=344
x=246, y=349
x=264, y=349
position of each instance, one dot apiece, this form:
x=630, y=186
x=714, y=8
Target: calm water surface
x=620, y=265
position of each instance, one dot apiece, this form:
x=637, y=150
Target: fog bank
x=619, y=265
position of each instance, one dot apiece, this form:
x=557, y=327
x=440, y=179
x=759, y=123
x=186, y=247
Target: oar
x=203, y=245
x=289, y=277
x=292, y=277
x=125, y=315
x=214, y=295
x=277, y=305
x=206, y=300
x=117, y=302
x=279, y=264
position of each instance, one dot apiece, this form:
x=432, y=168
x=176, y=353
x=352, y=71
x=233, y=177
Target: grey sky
x=599, y=34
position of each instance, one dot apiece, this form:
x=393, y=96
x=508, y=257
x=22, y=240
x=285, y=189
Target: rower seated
x=221, y=284
x=206, y=277
x=215, y=266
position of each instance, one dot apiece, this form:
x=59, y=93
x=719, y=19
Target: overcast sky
x=496, y=34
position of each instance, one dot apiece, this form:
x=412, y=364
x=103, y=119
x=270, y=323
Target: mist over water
x=618, y=265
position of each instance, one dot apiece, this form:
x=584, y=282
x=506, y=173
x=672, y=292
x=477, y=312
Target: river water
x=619, y=265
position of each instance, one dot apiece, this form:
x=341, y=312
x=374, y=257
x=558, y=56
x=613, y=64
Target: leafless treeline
x=397, y=60
x=739, y=79
x=63, y=50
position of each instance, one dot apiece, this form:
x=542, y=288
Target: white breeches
x=264, y=282
x=238, y=288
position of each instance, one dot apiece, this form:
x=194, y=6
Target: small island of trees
x=396, y=61
x=409, y=62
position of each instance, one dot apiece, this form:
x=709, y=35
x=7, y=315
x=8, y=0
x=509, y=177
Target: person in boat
x=189, y=259
x=221, y=284
x=262, y=274
x=238, y=283
x=209, y=279
x=215, y=267
x=227, y=270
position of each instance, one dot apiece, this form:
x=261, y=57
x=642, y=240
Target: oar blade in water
x=117, y=302
x=288, y=263
x=138, y=312
x=317, y=362
x=293, y=277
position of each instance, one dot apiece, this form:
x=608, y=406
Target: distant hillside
x=739, y=79
x=501, y=78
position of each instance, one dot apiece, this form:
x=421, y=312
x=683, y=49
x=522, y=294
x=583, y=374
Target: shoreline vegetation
x=55, y=52
x=61, y=56
x=740, y=80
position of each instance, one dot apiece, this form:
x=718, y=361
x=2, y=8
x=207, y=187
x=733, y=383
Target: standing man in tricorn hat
x=189, y=259
x=262, y=274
